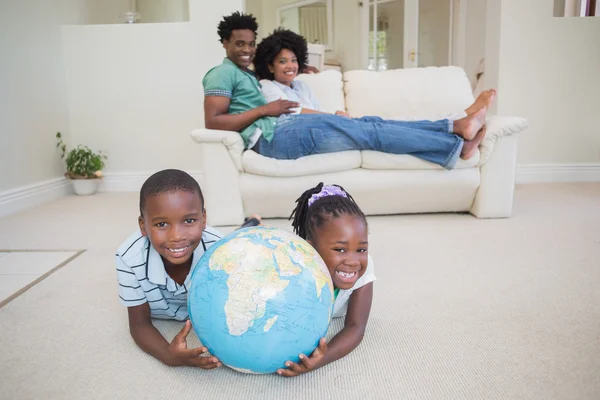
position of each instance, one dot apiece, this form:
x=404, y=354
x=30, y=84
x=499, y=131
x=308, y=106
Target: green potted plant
x=84, y=167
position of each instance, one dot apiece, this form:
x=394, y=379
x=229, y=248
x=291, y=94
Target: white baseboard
x=133, y=181
x=18, y=199
x=539, y=173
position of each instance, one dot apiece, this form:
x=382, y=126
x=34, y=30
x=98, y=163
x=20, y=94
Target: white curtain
x=313, y=23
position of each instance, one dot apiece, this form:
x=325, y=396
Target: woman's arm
x=316, y=107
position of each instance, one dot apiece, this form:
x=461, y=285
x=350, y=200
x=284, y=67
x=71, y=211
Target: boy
x=154, y=264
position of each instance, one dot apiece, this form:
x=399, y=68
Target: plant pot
x=85, y=187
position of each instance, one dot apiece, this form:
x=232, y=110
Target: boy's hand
x=179, y=354
x=278, y=107
x=306, y=364
x=342, y=113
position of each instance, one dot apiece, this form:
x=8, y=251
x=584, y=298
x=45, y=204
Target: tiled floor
x=20, y=268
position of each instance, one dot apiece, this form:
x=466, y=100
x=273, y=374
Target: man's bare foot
x=470, y=146
x=468, y=126
x=485, y=99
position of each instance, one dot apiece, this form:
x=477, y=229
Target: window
x=576, y=8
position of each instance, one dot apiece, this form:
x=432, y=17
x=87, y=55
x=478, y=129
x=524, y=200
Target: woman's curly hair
x=269, y=47
x=237, y=20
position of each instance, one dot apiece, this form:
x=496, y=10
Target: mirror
x=311, y=19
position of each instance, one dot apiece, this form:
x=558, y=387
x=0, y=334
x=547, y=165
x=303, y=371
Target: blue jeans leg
x=443, y=125
x=307, y=134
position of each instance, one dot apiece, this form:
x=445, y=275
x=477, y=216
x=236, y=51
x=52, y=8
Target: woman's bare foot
x=485, y=99
x=470, y=146
x=468, y=126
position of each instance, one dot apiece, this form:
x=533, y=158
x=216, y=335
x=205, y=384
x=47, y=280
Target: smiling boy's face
x=343, y=243
x=241, y=47
x=174, y=221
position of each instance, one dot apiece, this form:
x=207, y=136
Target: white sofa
x=237, y=182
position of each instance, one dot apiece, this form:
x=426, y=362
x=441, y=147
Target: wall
x=434, y=28
x=255, y=7
x=549, y=73
x=153, y=11
x=346, y=35
x=32, y=88
x=105, y=11
x=135, y=90
x=475, y=36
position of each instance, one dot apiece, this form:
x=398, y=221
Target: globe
x=259, y=297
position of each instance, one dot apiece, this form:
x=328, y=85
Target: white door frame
x=458, y=33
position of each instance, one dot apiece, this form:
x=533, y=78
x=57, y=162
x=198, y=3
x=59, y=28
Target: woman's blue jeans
x=305, y=134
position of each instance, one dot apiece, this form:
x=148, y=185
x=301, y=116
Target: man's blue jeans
x=306, y=134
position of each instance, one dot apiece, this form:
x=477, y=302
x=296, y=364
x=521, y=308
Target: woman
x=307, y=131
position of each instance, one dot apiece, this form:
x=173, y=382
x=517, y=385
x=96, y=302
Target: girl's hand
x=306, y=364
x=342, y=113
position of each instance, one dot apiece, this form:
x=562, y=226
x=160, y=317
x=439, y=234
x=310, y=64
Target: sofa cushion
x=378, y=160
x=407, y=92
x=257, y=164
x=327, y=87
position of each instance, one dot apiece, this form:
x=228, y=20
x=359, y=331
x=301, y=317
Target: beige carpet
x=463, y=309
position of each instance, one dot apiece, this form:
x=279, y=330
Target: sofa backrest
x=410, y=93
x=327, y=87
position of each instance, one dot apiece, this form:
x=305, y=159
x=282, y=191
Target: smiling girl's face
x=285, y=67
x=344, y=246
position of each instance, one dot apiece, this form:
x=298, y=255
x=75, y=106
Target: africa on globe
x=259, y=297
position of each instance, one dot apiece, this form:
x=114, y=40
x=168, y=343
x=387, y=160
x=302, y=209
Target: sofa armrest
x=494, y=197
x=220, y=155
x=498, y=127
x=231, y=140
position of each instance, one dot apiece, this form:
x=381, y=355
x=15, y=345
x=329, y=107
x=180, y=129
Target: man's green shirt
x=242, y=87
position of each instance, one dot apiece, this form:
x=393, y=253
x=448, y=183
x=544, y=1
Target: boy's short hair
x=237, y=20
x=168, y=180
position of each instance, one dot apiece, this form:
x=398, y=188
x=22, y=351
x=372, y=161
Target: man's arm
x=176, y=353
x=216, y=116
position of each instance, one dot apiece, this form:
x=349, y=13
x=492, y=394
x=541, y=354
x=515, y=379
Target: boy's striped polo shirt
x=143, y=279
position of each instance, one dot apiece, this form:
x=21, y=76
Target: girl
x=331, y=221
x=307, y=130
